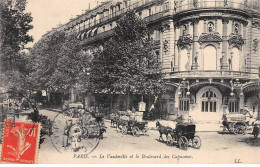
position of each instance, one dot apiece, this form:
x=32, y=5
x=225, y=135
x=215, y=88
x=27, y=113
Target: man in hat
x=224, y=118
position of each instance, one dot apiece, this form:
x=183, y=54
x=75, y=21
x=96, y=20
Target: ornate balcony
x=212, y=74
x=217, y=4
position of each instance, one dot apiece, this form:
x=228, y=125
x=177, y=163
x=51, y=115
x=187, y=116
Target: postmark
x=75, y=131
x=20, y=142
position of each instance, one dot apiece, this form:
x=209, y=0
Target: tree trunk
x=128, y=99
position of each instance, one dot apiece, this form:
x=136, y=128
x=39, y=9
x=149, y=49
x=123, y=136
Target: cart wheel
x=196, y=142
x=124, y=130
x=239, y=128
x=135, y=131
x=183, y=143
x=169, y=140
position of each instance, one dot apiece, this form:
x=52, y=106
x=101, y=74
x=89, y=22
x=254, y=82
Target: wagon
x=183, y=136
x=136, y=128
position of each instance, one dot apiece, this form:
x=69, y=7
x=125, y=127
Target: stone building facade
x=209, y=50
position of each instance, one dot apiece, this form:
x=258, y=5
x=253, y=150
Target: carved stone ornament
x=210, y=38
x=236, y=40
x=165, y=27
x=255, y=45
x=184, y=42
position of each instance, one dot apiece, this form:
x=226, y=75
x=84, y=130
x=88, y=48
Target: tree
x=15, y=24
x=45, y=55
x=59, y=63
x=128, y=62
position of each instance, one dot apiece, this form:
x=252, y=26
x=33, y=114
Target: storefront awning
x=88, y=33
x=94, y=30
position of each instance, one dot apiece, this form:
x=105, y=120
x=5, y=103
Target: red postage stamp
x=20, y=142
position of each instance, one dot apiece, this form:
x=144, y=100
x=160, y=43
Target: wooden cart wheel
x=169, y=140
x=135, y=131
x=124, y=130
x=196, y=142
x=183, y=143
x=239, y=128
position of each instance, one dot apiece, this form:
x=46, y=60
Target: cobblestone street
x=238, y=148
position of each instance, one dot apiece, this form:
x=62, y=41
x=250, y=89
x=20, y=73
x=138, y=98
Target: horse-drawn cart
x=236, y=123
x=182, y=135
x=135, y=127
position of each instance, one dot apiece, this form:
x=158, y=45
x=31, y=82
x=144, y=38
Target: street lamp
x=238, y=86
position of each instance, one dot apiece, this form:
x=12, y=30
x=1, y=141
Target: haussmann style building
x=209, y=50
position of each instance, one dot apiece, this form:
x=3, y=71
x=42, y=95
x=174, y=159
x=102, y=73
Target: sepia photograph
x=129, y=81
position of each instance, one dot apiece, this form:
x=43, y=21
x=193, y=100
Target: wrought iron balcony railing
x=212, y=74
x=217, y=4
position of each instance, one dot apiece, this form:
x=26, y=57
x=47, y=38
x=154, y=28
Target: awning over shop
x=94, y=31
x=88, y=33
x=82, y=35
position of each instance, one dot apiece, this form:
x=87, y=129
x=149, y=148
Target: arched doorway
x=209, y=102
x=210, y=58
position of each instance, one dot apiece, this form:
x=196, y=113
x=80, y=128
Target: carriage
x=135, y=127
x=184, y=135
x=238, y=123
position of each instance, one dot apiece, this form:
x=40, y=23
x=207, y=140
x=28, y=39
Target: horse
x=163, y=130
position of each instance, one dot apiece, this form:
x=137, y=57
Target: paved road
x=216, y=148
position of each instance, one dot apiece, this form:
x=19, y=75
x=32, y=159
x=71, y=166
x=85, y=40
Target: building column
x=225, y=44
x=176, y=58
x=244, y=66
x=195, y=44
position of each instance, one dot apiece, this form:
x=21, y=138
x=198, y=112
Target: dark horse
x=163, y=130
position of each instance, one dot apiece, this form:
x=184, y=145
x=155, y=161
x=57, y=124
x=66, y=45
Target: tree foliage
x=58, y=62
x=127, y=62
x=15, y=24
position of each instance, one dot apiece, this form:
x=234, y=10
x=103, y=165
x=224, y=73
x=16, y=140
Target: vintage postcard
x=130, y=81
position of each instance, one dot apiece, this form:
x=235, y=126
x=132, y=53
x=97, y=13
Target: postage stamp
x=20, y=142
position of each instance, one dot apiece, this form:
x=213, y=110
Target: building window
x=233, y=105
x=209, y=102
x=236, y=28
x=184, y=30
x=210, y=26
x=150, y=12
x=184, y=101
x=157, y=52
x=166, y=5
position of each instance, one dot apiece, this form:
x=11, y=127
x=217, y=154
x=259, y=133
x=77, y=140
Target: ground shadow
x=225, y=132
x=161, y=141
x=251, y=141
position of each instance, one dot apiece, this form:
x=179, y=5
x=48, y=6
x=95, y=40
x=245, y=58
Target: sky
x=47, y=14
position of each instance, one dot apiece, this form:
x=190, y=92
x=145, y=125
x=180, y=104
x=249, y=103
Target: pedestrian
x=224, y=118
